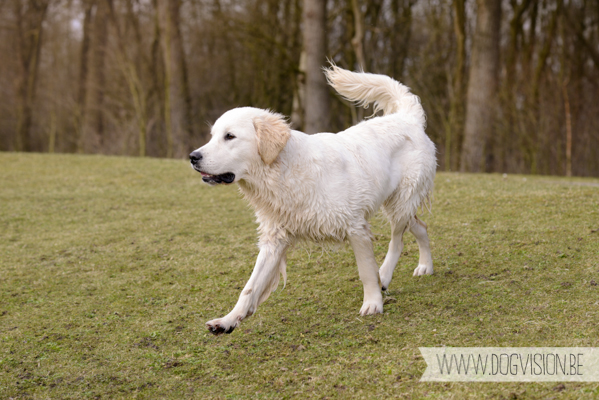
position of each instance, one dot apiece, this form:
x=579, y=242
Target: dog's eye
x=229, y=136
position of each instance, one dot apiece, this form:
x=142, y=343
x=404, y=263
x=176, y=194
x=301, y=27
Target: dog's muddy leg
x=361, y=243
x=393, y=254
x=425, y=263
x=262, y=282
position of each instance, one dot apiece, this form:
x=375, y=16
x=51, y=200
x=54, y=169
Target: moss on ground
x=110, y=266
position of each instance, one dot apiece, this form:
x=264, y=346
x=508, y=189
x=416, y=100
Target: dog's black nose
x=195, y=156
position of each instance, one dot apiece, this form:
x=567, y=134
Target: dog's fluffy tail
x=386, y=93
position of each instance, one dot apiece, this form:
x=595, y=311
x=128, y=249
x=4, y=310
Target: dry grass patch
x=110, y=267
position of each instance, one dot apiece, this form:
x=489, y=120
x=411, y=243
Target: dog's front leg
x=264, y=280
x=361, y=243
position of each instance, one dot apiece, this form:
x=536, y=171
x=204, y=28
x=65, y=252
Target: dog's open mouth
x=216, y=179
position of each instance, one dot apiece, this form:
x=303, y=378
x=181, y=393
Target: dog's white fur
x=326, y=186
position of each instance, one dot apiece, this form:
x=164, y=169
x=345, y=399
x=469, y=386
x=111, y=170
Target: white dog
x=326, y=186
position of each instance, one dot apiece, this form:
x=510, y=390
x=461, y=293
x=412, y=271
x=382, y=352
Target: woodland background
x=508, y=86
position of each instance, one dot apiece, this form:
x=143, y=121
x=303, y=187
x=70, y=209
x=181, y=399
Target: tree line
x=508, y=86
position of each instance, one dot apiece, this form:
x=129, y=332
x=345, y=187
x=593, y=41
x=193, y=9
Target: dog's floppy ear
x=272, y=132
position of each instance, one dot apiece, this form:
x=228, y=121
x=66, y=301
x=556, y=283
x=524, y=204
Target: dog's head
x=241, y=138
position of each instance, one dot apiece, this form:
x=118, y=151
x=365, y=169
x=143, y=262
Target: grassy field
x=109, y=268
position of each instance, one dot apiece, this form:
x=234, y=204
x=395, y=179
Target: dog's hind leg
x=361, y=242
x=393, y=254
x=425, y=263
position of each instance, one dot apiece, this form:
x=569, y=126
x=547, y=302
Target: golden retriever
x=325, y=187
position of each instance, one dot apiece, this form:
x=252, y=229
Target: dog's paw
x=423, y=269
x=371, y=308
x=220, y=326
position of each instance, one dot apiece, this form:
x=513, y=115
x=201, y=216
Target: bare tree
x=92, y=140
x=481, y=105
x=30, y=15
x=177, y=103
x=317, y=102
x=456, y=113
x=358, y=40
x=400, y=35
x=88, y=5
x=299, y=95
x=132, y=71
x=144, y=79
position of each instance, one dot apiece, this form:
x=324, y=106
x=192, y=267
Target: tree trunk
x=30, y=18
x=568, y=131
x=132, y=72
x=156, y=96
x=456, y=113
x=544, y=53
x=93, y=117
x=177, y=102
x=400, y=35
x=357, y=43
x=358, y=39
x=83, y=73
x=534, y=142
x=482, y=85
x=299, y=95
x=317, y=102
x=502, y=143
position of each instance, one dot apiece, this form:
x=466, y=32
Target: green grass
x=109, y=268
